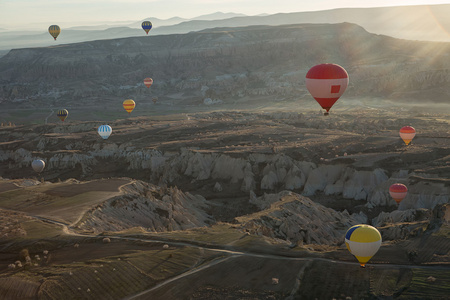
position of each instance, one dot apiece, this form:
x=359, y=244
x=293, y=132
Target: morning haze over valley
x=284, y=154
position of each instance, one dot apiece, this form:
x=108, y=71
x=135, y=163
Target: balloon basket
x=326, y=113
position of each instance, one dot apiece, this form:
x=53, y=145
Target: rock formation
x=297, y=219
x=149, y=207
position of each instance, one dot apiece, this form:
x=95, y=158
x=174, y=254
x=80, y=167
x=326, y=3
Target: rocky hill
x=140, y=207
x=224, y=63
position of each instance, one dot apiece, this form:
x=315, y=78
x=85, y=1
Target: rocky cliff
x=297, y=219
x=149, y=207
x=256, y=172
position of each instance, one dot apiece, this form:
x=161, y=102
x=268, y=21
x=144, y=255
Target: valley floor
x=225, y=205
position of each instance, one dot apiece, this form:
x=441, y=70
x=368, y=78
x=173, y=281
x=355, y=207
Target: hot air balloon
x=105, y=131
x=147, y=25
x=62, y=114
x=54, y=31
x=326, y=83
x=407, y=133
x=38, y=165
x=363, y=241
x=129, y=105
x=398, y=191
x=148, y=82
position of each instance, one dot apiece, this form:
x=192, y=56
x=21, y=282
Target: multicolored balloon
x=147, y=25
x=326, y=83
x=62, y=114
x=398, y=192
x=363, y=241
x=105, y=131
x=38, y=165
x=129, y=105
x=148, y=82
x=407, y=133
x=54, y=31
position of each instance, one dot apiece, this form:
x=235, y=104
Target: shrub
x=23, y=254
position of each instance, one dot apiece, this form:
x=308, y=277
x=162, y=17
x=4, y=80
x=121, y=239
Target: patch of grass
x=444, y=231
x=13, y=199
x=324, y=280
x=387, y=282
x=115, y=277
x=161, y=264
x=428, y=284
x=35, y=201
x=39, y=230
x=219, y=234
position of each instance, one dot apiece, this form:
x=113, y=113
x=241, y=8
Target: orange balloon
x=407, y=133
x=129, y=105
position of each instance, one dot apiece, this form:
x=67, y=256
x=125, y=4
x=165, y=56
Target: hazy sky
x=21, y=13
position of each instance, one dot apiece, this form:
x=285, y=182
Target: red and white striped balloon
x=398, y=191
x=148, y=82
x=407, y=133
x=326, y=83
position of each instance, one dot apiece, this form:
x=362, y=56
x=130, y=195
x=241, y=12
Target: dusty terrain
x=226, y=205
x=233, y=185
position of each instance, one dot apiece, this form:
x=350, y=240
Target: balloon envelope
x=129, y=105
x=62, y=114
x=147, y=25
x=105, y=131
x=407, y=133
x=38, y=165
x=326, y=83
x=363, y=241
x=398, y=192
x=148, y=82
x=54, y=31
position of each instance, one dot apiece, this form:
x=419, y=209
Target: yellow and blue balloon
x=363, y=241
x=147, y=25
x=62, y=114
x=54, y=31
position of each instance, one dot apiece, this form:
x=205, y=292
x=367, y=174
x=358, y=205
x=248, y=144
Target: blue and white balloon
x=105, y=131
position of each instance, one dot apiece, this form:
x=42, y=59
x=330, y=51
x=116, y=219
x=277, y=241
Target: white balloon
x=38, y=165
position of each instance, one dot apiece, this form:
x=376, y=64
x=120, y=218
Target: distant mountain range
x=421, y=22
